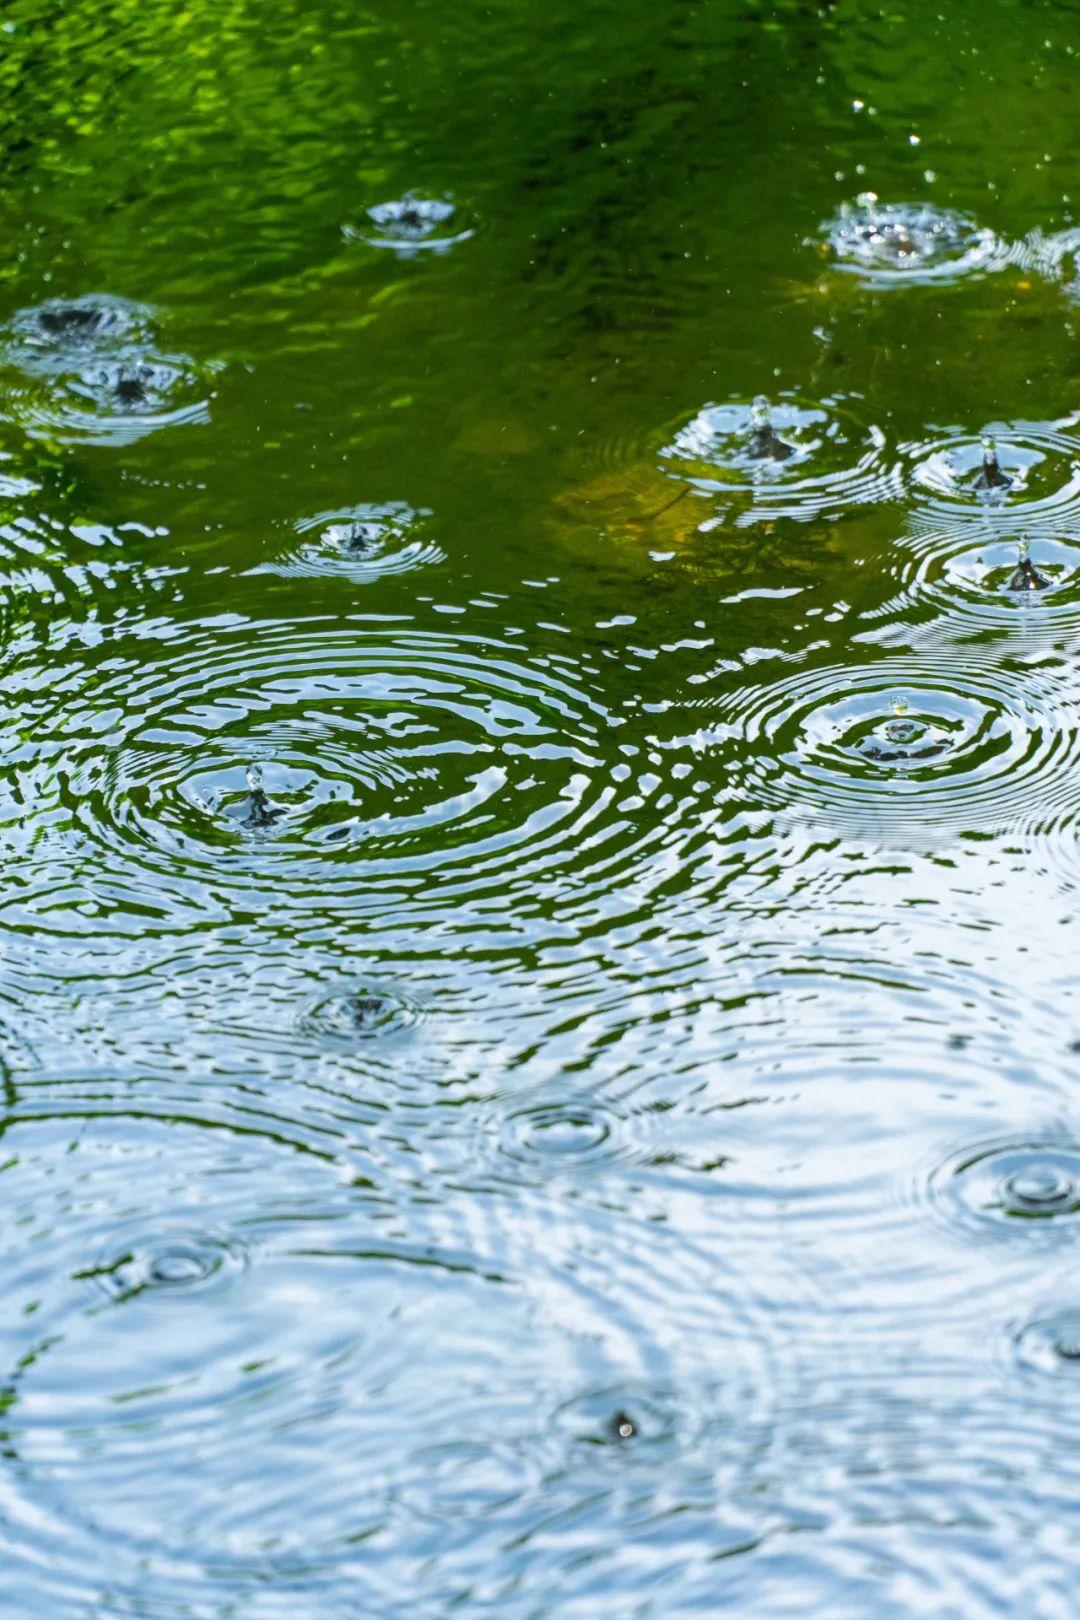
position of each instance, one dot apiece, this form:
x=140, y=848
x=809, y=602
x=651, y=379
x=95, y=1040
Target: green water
x=524, y=1093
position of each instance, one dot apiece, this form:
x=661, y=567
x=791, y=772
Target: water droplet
x=991, y=477
x=760, y=414
x=765, y=444
x=1025, y=576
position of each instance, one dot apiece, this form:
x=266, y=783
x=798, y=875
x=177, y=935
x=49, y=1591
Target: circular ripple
x=176, y=1264
x=629, y=1420
x=361, y=542
x=1047, y=1350
x=1040, y=459
x=472, y=1477
x=968, y=754
x=811, y=461
x=1008, y=1185
x=122, y=1434
x=986, y=580
x=50, y=332
x=565, y=1134
x=357, y=1386
x=412, y=224
x=90, y=372
x=367, y=1012
x=890, y=244
x=295, y=765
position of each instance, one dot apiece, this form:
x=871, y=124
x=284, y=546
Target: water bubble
x=648, y=1418
x=1038, y=1189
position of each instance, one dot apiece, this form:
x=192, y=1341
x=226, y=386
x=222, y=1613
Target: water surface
x=538, y=1035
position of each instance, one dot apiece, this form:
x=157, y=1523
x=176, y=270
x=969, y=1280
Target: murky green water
x=539, y=1023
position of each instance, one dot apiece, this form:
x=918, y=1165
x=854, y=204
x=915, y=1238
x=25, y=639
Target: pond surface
x=540, y=597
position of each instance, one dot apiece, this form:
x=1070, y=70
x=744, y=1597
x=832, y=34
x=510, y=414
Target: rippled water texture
x=540, y=607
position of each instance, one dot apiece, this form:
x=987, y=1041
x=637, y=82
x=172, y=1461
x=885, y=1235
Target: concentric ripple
x=174, y=1264
x=412, y=224
x=565, y=1134
x=1047, y=1350
x=364, y=1012
x=361, y=542
x=91, y=372
x=630, y=1421
x=898, y=750
x=1008, y=1185
x=354, y=1388
x=340, y=761
x=818, y=459
x=891, y=244
x=1041, y=461
x=987, y=581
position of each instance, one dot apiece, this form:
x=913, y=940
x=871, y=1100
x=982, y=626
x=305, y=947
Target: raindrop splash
x=765, y=444
x=990, y=479
x=1025, y=576
x=411, y=224
x=897, y=243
